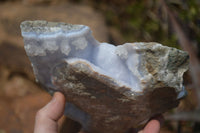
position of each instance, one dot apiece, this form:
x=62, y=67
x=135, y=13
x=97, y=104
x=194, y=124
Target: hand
x=47, y=117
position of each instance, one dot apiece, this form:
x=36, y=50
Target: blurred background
x=174, y=23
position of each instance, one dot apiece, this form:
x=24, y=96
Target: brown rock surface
x=26, y=107
x=20, y=112
x=14, y=59
x=9, y=122
x=18, y=86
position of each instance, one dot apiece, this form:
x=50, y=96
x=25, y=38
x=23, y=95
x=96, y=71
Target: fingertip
x=54, y=109
x=47, y=117
x=153, y=126
x=58, y=105
x=59, y=96
x=154, y=123
x=159, y=118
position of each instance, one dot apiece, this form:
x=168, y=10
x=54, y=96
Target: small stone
x=108, y=88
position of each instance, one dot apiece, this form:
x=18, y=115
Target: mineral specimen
x=108, y=88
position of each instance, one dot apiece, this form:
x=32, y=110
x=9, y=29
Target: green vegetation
x=145, y=20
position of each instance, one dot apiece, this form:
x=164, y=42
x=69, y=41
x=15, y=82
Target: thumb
x=47, y=117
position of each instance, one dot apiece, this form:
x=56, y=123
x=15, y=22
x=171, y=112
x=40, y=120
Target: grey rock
x=108, y=88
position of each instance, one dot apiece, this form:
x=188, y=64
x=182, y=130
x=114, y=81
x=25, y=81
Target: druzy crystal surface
x=108, y=88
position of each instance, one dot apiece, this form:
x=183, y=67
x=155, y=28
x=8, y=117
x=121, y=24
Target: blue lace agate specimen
x=108, y=88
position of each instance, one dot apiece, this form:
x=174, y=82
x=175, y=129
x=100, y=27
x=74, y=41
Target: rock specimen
x=108, y=88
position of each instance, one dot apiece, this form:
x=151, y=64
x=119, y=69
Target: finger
x=153, y=126
x=54, y=110
x=47, y=117
x=158, y=117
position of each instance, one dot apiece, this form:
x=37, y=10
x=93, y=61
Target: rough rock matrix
x=108, y=88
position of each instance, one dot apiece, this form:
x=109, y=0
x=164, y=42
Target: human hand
x=47, y=117
x=46, y=120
